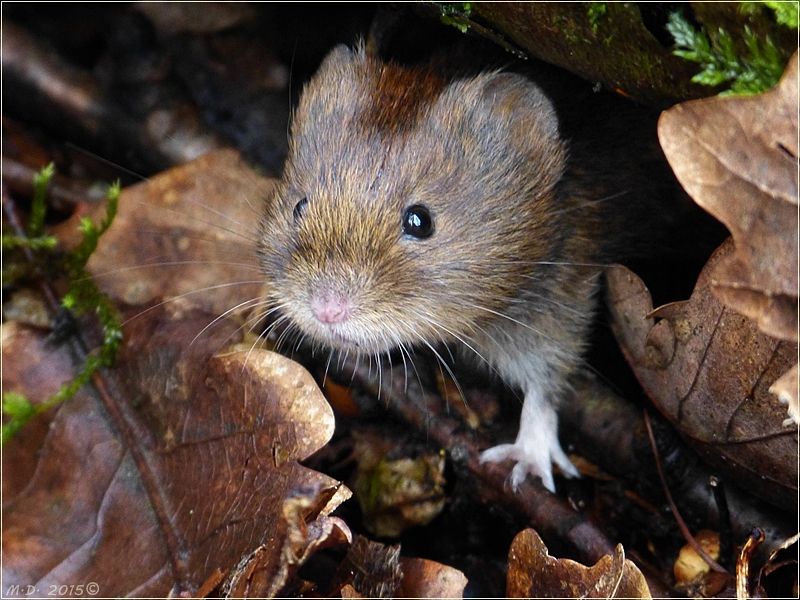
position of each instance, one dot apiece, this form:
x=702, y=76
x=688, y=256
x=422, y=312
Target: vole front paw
x=535, y=449
x=534, y=461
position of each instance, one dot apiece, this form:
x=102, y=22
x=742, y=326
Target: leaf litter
x=213, y=498
x=178, y=431
x=708, y=370
x=220, y=437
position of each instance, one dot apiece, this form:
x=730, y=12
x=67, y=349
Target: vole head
x=411, y=207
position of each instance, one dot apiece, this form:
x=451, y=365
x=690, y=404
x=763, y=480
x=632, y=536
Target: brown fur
x=399, y=96
x=490, y=217
x=523, y=220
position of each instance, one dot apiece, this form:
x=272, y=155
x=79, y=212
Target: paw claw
x=533, y=461
x=500, y=453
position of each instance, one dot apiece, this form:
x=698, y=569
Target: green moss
x=43, y=242
x=456, y=14
x=596, y=11
x=83, y=295
x=39, y=205
x=786, y=13
x=721, y=61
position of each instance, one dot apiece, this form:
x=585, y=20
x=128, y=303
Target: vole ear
x=501, y=112
x=332, y=90
x=337, y=60
x=518, y=101
x=342, y=58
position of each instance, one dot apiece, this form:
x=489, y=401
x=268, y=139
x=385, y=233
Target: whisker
x=590, y=203
x=177, y=263
x=577, y=356
x=554, y=263
x=105, y=161
x=186, y=294
x=438, y=325
x=253, y=301
x=239, y=234
x=327, y=366
x=491, y=366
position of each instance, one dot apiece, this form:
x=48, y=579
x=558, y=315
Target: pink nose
x=331, y=309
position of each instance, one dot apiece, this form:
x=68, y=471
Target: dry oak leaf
x=214, y=449
x=374, y=570
x=269, y=571
x=37, y=368
x=188, y=232
x=782, y=565
x=424, y=578
x=737, y=158
x=708, y=369
x=533, y=573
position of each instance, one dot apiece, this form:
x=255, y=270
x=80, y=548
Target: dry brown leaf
x=373, y=569
x=220, y=438
x=428, y=579
x=189, y=232
x=709, y=369
x=270, y=569
x=37, y=368
x=781, y=566
x=737, y=157
x=533, y=573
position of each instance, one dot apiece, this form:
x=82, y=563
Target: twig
x=123, y=425
x=547, y=513
x=724, y=522
x=681, y=523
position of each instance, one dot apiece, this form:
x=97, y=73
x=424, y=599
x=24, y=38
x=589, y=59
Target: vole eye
x=418, y=222
x=299, y=209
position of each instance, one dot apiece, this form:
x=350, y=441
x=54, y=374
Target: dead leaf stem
x=678, y=519
x=132, y=441
x=122, y=425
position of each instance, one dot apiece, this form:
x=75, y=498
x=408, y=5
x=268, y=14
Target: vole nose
x=331, y=308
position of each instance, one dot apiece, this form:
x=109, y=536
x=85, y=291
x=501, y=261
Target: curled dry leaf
x=428, y=579
x=737, y=157
x=214, y=445
x=781, y=566
x=373, y=569
x=709, y=369
x=189, y=232
x=270, y=569
x=533, y=573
